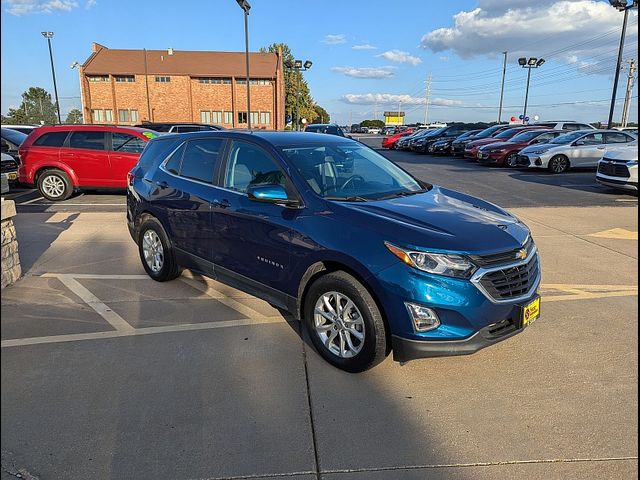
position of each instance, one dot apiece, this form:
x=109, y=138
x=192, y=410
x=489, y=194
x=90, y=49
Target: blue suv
x=369, y=258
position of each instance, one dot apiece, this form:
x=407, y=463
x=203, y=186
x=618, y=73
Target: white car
x=374, y=130
x=619, y=168
x=568, y=125
x=579, y=149
x=26, y=129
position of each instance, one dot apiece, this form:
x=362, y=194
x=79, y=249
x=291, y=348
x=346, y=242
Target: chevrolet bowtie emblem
x=521, y=254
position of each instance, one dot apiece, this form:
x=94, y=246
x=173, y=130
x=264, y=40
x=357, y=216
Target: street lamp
x=621, y=6
x=245, y=6
x=49, y=36
x=530, y=63
x=298, y=66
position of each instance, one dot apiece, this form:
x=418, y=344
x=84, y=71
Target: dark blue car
x=367, y=256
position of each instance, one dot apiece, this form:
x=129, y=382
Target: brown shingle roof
x=159, y=62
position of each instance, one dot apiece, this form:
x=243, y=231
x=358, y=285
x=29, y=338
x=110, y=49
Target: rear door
x=184, y=191
x=86, y=154
x=124, y=151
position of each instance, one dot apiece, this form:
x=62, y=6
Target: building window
x=241, y=81
x=127, y=116
x=228, y=118
x=254, y=118
x=216, y=117
x=215, y=81
x=98, y=78
x=253, y=81
x=163, y=79
x=242, y=117
x=265, y=118
x=102, y=116
x=205, y=117
x=125, y=78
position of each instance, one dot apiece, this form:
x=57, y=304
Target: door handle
x=221, y=203
x=162, y=184
x=600, y=148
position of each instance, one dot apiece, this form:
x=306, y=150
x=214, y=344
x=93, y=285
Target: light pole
x=49, y=36
x=245, y=6
x=620, y=5
x=532, y=62
x=298, y=66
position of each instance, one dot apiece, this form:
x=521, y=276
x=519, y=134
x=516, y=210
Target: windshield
x=13, y=136
x=351, y=172
x=526, y=136
x=567, y=138
x=487, y=132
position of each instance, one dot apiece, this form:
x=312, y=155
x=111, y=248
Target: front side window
x=87, y=140
x=200, y=159
x=123, y=142
x=248, y=166
x=593, y=139
x=350, y=171
x=51, y=139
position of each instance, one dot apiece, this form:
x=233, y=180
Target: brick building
x=125, y=87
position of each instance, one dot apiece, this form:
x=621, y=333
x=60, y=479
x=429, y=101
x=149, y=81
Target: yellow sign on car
x=530, y=312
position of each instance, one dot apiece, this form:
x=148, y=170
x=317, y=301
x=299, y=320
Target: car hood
x=441, y=220
x=497, y=145
x=482, y=141
x=541, y=146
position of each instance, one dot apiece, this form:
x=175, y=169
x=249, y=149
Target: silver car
x=579, y=149
x=619, y=168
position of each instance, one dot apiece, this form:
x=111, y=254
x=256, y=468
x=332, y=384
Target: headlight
x=450, y=265
x=538, y=152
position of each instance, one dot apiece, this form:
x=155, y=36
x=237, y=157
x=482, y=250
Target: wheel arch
x=40, y=169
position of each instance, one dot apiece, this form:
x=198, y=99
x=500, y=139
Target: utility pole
x=427, y=99
x=627, y=98
x=504, y=73
x=350, y=118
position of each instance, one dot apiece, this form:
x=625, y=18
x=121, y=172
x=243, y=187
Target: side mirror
x=577, y=143
x=271, y=194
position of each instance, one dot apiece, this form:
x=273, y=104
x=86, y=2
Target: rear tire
x=558, y=164
x=344, y=323
x=54, y=185
x=156, y=252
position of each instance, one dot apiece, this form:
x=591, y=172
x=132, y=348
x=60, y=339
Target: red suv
x=390, y=142
x=64, y=158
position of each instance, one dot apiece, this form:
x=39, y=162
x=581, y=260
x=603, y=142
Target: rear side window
x=187, y=128
x=51, y=139
x=200, y=159
x=88, y=140
x=173, y=162
x=123, y=142
x=156, y=151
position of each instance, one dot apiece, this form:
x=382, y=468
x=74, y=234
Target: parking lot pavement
x=106, y=373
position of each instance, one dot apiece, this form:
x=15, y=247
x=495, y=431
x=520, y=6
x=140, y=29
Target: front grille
x=614, y=169
x=500, y=329
x=511, y=282
x=502, y=258
x=9, y=166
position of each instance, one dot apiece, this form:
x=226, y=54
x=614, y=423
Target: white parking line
x=134, y=332
x=115, y=320
x=31, y=201
x=63, y=204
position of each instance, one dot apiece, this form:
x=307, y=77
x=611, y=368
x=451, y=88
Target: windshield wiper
x=348, y=199
x=405, y=193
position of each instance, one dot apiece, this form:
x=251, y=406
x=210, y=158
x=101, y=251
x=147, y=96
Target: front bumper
x=616, y=182
x=405, y=349
x=495, y=158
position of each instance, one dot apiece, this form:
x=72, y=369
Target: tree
x=297, y=98
x=36, y=107
x=372, y=123
x=321, y=114
x=74, y=117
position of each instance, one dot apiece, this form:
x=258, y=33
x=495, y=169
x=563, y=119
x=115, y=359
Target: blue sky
x=368, y=56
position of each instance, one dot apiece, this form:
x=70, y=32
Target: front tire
x=344, y=323
x=512, y=160
x=558, y=164
x=54, y=185
x=156, y=252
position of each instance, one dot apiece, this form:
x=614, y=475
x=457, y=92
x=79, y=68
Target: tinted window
x=200, y=158
x=592, y=139
x=123, y=142
x=87, y=140
x=51, y=139
x=187, y=128
x=334, y=131
x=13, y=136
x=156, y=150
x=572, y=126
x=618, y=138
x=248, y=166
x=173, y=162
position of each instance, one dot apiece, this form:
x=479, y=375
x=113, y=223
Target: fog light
x=423, y=318
x=538, y=162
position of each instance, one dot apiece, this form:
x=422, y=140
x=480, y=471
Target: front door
x=588, y=150
x=87, y=156
x=252, y=238
x=123, y=155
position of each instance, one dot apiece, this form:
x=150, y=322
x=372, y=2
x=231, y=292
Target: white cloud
x=393, y=99
x=526, y=28
x=443, y=59
x=90, y=4
x=400, y=57
x=365, y=72
x=334, y=39
x=364, y=46
x=25, y=7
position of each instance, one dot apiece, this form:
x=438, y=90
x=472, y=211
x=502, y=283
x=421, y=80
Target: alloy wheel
x=153, y=251
x=53, y=186
x=339, y=324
